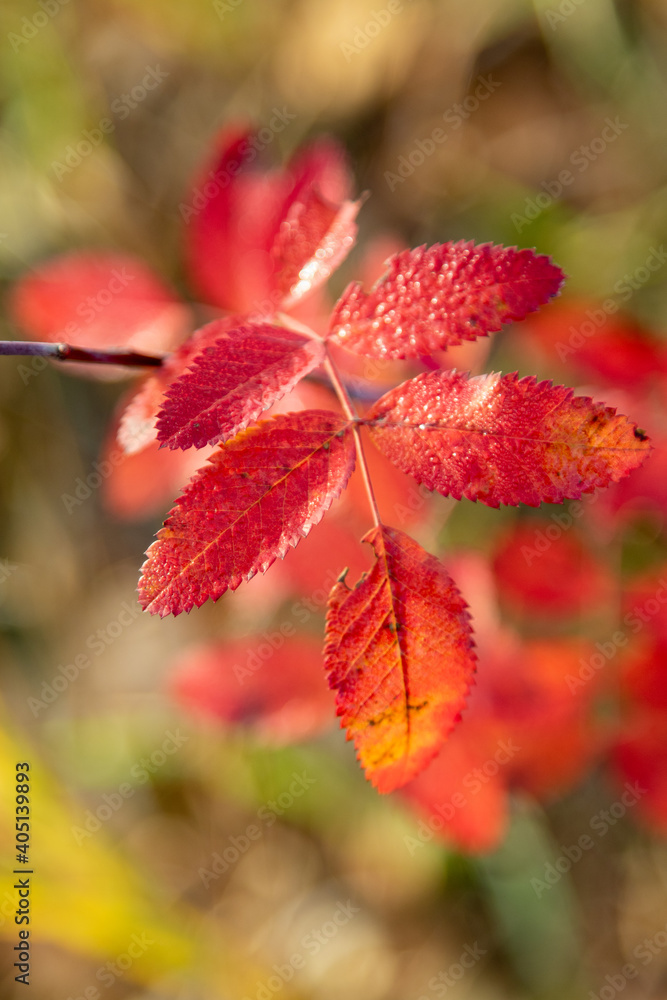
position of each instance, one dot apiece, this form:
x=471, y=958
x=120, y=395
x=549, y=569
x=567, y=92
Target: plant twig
x=66, y=352
x=346, y=403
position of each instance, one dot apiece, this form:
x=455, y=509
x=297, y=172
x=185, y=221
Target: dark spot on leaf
x=640, y=434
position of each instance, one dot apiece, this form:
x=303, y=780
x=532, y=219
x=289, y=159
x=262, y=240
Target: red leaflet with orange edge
x=501, y=439
x=435, y=297
x=259, y=494
x=232, y=381
x=399, y=653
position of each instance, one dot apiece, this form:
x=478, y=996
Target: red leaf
x=399, y=653
x=612, y=348
x=229, y=262
x=435, y=297
x=645, y=602
x=259, y=495
x=312, y=242
x=235, y=213
x=524, y=727
x=102, y=300
x=547, y=709
x=640, y=753
x=543, y=568
x=269, y=684
x=137, y=426
x=232, y=381
x=141, y=484
x=399, y=498
x=641, y=759
x=501, y=439
x=316, y=564
x=322, y=165
x=470, y=813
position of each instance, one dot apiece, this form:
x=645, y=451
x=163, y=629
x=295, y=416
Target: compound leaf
x=275, y=690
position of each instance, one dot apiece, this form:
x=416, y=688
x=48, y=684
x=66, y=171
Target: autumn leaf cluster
x=399, y=649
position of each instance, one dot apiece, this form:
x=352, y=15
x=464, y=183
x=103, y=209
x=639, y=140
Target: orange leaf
x=399, y=652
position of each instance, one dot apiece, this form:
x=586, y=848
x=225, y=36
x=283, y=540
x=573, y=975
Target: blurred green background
x=529, y=89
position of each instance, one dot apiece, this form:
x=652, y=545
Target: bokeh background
x=555, y=124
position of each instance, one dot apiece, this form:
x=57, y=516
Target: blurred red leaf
x=399, y=653
x=272, y=684
x=645, y=604
x=640, y=756
x=99, y=300
x=501, y=439
x=435, y=297
x=318, y=561
x=549, y=714
x=259, y=494
x=612, y=348
x=523, y=729
x=467, y=809
x=140, y=484
x=400, y=500
x=312, y=242
x=544, y=569
x=640, y=751
x=235, y=213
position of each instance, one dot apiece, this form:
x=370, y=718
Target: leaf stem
x=66, y=352
x=351, y=413
x=297, y=327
